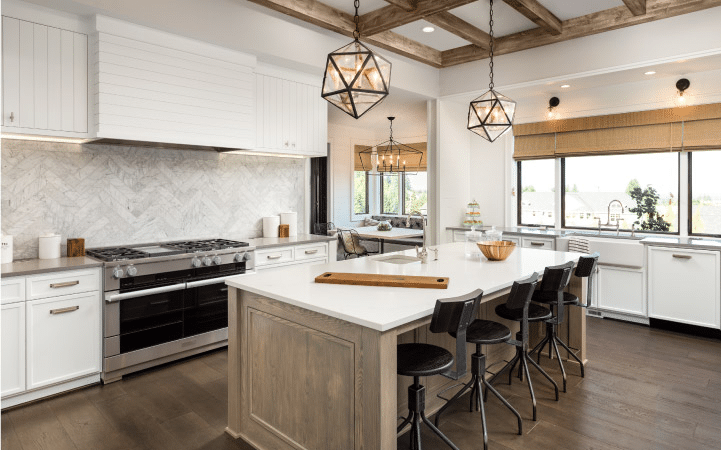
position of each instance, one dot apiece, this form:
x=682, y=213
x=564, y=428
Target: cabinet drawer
x=271, y=256
x=62, y=283
x=311, y=252
x=13, y=290
x=545, y=243
x=63, y=338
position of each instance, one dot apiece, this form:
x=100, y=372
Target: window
x=415, y=187
x=360, y=192
x=390, y=194
x=705, y=192
x=536, y=180
x=623, y=189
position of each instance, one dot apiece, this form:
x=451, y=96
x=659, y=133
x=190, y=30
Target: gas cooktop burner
x=205, y=245
x=116, y=253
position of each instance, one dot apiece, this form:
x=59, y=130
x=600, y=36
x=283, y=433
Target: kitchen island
x=313, y=365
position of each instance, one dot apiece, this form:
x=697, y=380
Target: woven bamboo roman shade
x=674, y=129
x=410, y=167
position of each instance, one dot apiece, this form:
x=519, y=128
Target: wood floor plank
x=38, y=428
x=9, y=439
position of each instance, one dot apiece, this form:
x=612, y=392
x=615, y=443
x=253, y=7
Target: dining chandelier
x=491, y=115
x=356, y=79
x=391, y=157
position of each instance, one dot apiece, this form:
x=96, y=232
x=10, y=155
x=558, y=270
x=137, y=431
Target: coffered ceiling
x=461, y=26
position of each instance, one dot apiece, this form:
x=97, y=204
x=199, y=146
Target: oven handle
x=199, y=283
x=113, y=296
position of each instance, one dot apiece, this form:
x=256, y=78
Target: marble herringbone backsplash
x=113, y=195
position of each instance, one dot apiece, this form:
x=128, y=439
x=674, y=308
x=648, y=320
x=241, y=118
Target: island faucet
x=423, y=253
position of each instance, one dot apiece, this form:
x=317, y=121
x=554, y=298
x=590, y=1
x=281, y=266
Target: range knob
x=238, y=257
x=207, y=261
x=195, y=262
x=216, y=260
x=131, y=270
x=247, y=256
x=118, y=272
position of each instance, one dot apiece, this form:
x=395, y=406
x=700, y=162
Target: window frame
x=662, y=233
x=689, y=200
x=519, y=200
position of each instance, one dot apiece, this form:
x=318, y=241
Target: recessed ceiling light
x=428, y=29
x=650, y=72
x=566, y=86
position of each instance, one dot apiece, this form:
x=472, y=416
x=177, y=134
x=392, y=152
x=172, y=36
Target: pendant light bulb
x=491, y=115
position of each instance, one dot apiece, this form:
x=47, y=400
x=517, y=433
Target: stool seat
x=486, y=332
x=421, y=360
x=549, y=298
x=536, y=313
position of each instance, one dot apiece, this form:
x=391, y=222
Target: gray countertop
x=521, y=231
x=683, y=242
x=35, y=266
x=261, y=243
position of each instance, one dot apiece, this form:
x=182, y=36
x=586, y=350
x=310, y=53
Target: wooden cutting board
x=372, y=279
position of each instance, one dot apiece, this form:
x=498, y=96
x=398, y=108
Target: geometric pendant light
x=491, y=115
x=355, y=78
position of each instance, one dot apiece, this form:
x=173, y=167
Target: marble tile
x=112, y=195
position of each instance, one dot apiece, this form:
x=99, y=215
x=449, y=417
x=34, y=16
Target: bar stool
x=519, y=308
x=482, y=332
x=585, y=268
x=422, y=360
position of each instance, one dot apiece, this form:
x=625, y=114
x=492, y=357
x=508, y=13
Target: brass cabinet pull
x=274, y=256
x=675, y=255
x=64, y=310
x=65, y=284
x=311, y=252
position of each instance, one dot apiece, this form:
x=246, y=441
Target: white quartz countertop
x=384, y=308
x=393, y=233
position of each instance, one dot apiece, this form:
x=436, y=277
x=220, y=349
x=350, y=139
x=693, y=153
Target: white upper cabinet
x=45, y=79
x=291, y=116
x=158, y=87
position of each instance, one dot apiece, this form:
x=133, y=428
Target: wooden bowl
x=496, y=250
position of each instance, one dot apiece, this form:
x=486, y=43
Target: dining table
x=396, y=233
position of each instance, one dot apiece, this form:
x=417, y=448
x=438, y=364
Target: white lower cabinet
x=63, y=338
x=13, y=348
x=303, y=254
x=540, y=243
x=621, y=289
x=685, y=286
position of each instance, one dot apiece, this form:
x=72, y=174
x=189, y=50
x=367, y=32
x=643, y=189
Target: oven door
x=206, y=306
x=146, y=317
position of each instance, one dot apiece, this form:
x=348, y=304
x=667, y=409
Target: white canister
x=49, y=246
x=290, y=219
x=270, y=226
x=7, y=249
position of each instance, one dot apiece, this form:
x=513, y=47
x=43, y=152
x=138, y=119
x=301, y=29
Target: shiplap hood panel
x=155, y=87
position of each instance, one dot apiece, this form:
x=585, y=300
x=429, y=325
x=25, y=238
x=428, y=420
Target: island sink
x=399, y=259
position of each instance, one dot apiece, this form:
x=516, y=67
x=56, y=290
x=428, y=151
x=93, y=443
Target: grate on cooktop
x=205, y=245
x=116, y=254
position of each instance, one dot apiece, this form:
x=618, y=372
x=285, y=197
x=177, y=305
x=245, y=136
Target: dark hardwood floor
x=644, y=389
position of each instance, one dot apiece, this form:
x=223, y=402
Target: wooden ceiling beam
x=538, y=14
x=637, y=7
x=333, y=19
x=599, y=22
x=460, y=28
x=406, y=5
x=391, y=16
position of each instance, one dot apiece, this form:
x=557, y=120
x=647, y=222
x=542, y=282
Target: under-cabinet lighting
x=250, y=153
x=33, y=137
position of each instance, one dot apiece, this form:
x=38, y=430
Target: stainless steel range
x=166, y=301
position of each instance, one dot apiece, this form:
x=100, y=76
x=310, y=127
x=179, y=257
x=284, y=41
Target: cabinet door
x=13, y=290
x=11, y=71
x=13, y=348
x=621, y=289
x=63, y=338
x=685, y=286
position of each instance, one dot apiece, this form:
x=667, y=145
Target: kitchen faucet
x=423, y=254
x=608, y=220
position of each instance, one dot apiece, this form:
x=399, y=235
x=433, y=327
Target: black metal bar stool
x=519, y=308
x=482, y=332
x=585, y=269
x=422, y=360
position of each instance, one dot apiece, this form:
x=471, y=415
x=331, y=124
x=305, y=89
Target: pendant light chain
x=356, y=19
x=490, y=64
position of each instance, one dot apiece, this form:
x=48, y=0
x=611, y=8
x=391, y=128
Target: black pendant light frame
x=492, y=111
x=348, y=87
x=391, y=148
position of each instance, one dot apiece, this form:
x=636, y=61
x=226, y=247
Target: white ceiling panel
x=506, y=20
x=568, y=9
x=366, y=6
x=440, y=39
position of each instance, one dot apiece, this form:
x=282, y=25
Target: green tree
x=529, y=189
x=646, y=204
x=360, y=202
x=631, y=186
x=391, y=185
